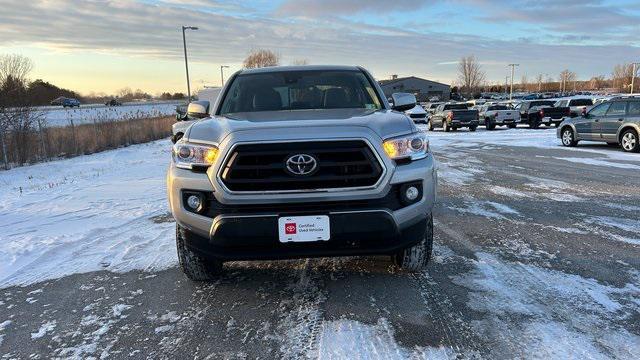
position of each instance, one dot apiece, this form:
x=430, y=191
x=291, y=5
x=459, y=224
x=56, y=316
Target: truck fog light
x=194, y=202
x=411, y=193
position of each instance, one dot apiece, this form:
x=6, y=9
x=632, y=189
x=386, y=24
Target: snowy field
x=56, y=117
x=537, y=254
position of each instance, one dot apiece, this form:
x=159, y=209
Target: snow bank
x=84, y=214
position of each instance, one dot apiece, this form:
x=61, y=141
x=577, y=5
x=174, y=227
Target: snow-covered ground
x=108, y=211
x=85, y=214
x=63, y=116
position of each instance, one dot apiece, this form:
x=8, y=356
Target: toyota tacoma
x=298, y=162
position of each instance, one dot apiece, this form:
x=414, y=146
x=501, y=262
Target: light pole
x=513, y=67
x=633, y=75
x=186, y=64
x=222, y=74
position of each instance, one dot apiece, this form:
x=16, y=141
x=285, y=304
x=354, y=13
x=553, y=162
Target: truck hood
x=384, y=123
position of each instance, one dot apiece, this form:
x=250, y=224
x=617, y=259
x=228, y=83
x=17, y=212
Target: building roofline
x=391, y=81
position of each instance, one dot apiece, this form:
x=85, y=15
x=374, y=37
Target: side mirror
x=403, y=101
x=198, y=109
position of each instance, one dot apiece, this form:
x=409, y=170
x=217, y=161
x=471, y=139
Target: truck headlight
x=188, y=156
x=414, y=147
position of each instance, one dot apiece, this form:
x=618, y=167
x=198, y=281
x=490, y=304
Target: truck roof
x=270, y=69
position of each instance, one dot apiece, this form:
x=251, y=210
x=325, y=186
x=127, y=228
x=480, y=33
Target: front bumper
x=237, y=237
x=375, y=223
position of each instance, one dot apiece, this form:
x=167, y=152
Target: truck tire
x=472, y=128
x=430, y=126
x=629, y=141
x=445, y=126
x=416, y=258
x=489, y=125
x=511, y=126
x=568, y=137
x=194, y=266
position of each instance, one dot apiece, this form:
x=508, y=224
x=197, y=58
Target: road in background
x=537, y=255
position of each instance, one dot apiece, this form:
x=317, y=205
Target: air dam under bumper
x=369, y=232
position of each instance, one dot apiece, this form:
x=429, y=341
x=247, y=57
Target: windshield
x=300, y=90
x=542, y=103
x=456, y=107
x=581, y=102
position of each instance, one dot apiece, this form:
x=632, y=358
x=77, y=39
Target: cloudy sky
x=106, y=45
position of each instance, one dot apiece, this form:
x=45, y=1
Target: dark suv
x=615, y=122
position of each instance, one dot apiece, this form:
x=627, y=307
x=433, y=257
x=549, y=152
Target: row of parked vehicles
x=615, y=121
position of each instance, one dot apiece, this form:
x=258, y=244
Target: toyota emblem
x=301, y=164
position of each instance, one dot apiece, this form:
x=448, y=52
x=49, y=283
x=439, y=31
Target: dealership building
x=423, y=89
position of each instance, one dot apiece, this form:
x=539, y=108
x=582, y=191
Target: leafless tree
x=566, y=76
x=621, y=76
x=261, y=58
x=597, y=82
x=17, y=116
x=470, y=74
x=539, y=80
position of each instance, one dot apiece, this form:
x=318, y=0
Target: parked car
x=57, y=101
x=70, y=102
x=577, y=106
x=113, y=102
x=452, y=116
x=616, y=122
x=195, y=111
x=342, y=175
x=541, y=112
x=498, y=115
x=431, y=107
x=417, y=114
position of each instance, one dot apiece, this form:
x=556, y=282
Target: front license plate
x=303, y=228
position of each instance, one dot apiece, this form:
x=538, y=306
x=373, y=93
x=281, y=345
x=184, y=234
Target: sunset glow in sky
x=103, y=46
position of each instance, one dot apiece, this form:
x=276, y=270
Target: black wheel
x=445, y=126
x=534, y=124
x=472, y=128
x=489, y=125
x=629, y=141
x=568, y=137
x=556, y=124
x=511, y=126
x=417, y=257
x=430, y=126
x=194, y=266
x=454, y=128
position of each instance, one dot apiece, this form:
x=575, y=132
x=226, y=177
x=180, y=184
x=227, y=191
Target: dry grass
x=31, y=146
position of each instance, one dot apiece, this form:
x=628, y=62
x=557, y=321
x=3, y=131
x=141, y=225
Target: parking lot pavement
x=537, y=255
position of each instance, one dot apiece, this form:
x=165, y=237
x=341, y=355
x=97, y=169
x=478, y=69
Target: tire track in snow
x=303, y=314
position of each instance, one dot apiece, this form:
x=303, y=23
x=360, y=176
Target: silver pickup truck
x=302, y=161
x=498, y=115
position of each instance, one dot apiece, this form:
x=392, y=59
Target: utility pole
x=186, y=64
x=633, y=76
x=513, y=66
x=222, y=74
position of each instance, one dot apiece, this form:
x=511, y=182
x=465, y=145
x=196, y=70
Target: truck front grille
x=263, y=167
